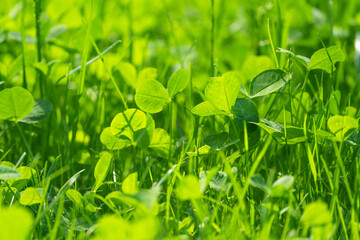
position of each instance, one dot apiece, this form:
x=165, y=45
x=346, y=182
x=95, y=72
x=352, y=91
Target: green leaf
x=75, y=197
x=31, y=196
x=244, y=110
x=188, y=188
x=15, y=223
x=8, y=173
x=160, y=142
x=115, y=227
x=282, y=186
x=300, y=59
x=220, y=182
x=147, y=74
x=151, y=96
x=342, y=126
x=111, y=142
x=320, y=59
x=143, y=136
x=16, y=103
x=128, y=122
x=206, y=109
x=267, y=82
x=101, y=169
x=130, y=185
x=177, y=82
x=216, y=141
x=128, y=72
x=222, y=91
x=258, y=182
x=40, y=111
x=316, y=214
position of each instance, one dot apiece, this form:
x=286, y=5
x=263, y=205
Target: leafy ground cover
x=179, y=119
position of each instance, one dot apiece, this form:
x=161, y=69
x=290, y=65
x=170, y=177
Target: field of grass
x=164, y=119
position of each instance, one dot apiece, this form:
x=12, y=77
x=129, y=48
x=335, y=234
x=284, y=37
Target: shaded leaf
x=41, y=110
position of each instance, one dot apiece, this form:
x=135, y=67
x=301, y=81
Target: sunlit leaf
x=15, y=223
x=30, y=196
x=222, y=91
x=320, y=59
x=151, y=96
x=342, y=126
x=177, y=81
x=102, y=168
x=16, y=103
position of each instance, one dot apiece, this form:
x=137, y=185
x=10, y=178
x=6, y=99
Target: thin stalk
x=37, y=9
x=272, y=44
x=23, y=43
x=212, y=58
x=25, y=141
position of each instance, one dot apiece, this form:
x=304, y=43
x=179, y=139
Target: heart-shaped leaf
x=30, y=196
x=222, y=91
x=151, y=96
x=128, y=122
x=15, y=103
x=177, y=81
x=342, y=126
x=206, y=109
x=320, y=59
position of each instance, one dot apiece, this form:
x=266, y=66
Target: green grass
x=179, y=119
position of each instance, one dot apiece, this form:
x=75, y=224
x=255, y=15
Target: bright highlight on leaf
x=342, y=126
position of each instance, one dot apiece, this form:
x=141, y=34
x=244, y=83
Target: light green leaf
x=151, y=96
x=15, y=103
x=342, y=126
x=147, y=74
x=8, y=173
x=206, y=109
x=31, y=196
x=102, y=168
x=257, y=181
x=320, y=59
x=160, y=142
x=130, y=185
x=177, y=81
x=40, y=111
x=112, y=142
x=267, y=82
x=128, y=122
x=128, y=72
x=75, y=197
x=316, y=214
x=115, y=227
x=222, y=91
x=300, y=59
x=15, y=223
x=188, y=188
